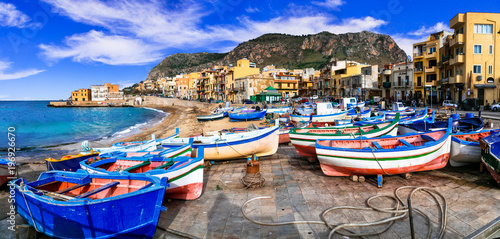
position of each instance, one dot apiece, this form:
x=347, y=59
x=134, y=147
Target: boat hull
x=358, y=162
x=305, y=143
x=463, y=152
x=71, y=164
x=263, y=142
x=4, y=174
x=492, y=164
x=210, y=117
x=284, y=137
x=131, y=215
x=244, y=116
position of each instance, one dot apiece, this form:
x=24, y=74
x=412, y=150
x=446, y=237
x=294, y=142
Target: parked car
x=304, y=100
x=249, y=101
x=449, y=103
x=314, y=97
x=495, y=107
x=469, y=104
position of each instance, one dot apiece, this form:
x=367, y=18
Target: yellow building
x=242, y=68
x=287, y=84
x=81, y=95
x=426, y=56
x=472, y=53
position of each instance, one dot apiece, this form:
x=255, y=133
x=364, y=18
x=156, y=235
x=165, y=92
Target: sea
x=38, y=130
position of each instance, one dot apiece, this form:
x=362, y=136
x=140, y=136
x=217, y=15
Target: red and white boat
x=304, y=139
x=385, y=155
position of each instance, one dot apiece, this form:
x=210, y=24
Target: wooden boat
x=225, y=110
x=304, y=139
x=284, y=136
x=402, y=113
x=319, y=118
x=385, y=155
x=490, y=153
x=184, y=174
x=216, y=116
x=461, y=125
x=171, y=152
x=282, y=110
x=360, y=105
x=419, y=116
x=261, y=142
x=8, y=171
x=363, y=114
x=244, y=115
x=81, y=205
x=68, y=162
x=465, y=147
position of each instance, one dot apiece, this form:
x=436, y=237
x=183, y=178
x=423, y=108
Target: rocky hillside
x=292, y=52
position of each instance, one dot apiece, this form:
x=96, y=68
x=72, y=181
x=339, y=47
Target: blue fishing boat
x=490, y=154
x=365, y=113
x=244, y=116
x=69, y=162
x=460, y=125
x=184, y=173
x=82, y=205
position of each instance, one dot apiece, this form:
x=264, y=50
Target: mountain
x=291, y=52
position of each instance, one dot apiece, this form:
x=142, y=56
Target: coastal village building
x=402, y=84
x=286, y=84
x=182, y=85
x=106, y=92
x=81, y=95
x=242, y=68
x=360, y=80
x=247, y=87
x=386, y=78
x=425, y=62
x=471, y=54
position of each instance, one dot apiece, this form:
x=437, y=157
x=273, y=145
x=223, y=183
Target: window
x=476, y=69
x=490, y=70
x=431, y=78
x=399, y=80
x=491, y=49
x=478, y=49
x=419, y=81
x=432, y=50
x=483, y=28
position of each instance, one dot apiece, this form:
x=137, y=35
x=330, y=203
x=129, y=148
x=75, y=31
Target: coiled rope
x=399, y=211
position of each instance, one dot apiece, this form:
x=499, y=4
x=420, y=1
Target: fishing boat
x=170, y=152
x=419, y=116
x=490, y=153
x=385, y=155
x=8, y=170
x=225, y=110
x=261, y=142
x=247, y=115
x=304, y=139
x=184, y=173
x=461, y=125
x=81, y=205
x=282, y=110
x=362, y=114
x=465, y=147
x=68, y=162
x=215, y=116
x=324, y=112
x=284, y=136
x=354, y=105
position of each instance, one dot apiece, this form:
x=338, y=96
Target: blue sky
x=51, y=47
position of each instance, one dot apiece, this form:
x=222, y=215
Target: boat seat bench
x=377, y=145
x=97, y=190
x=63, y=191
x=406, y=143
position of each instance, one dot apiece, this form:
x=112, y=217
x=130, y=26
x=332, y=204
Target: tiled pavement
x=300, y=191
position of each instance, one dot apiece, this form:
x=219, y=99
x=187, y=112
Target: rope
x=250, y=183
x=380, y=165
x=28, y=206
x=399, y=211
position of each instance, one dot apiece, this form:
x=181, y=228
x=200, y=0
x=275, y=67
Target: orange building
x=81, y=95
x=182, y=86
x=112, y=88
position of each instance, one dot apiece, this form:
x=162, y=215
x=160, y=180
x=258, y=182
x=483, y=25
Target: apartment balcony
x=417, y=55
x=417, y=70
x=457, y=21
x=445, y=80
x=457, y=79
x=458, y=59
x=386, y=84
x=457, y=39
x=430, y=55
x=430, y=69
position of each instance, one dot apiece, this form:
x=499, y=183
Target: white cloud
x=440, y=26
x=330, y=4
x=4, y=65
x=252, y=9
x=136, y=32
x=11, y=17
x=95, y=46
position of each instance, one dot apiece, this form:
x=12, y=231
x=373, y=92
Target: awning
x=483, y=86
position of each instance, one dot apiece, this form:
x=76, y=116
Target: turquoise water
x=38, y=126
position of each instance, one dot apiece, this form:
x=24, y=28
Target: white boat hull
x=319, y=118
x=464, y=153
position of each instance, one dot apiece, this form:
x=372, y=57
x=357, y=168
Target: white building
x=99, y=92
x=402, y=81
